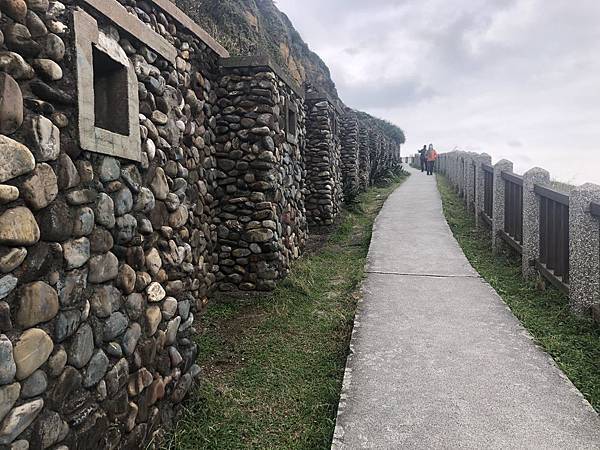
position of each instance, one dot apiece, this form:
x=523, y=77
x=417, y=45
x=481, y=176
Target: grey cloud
x=470, y=73
x=387, y=94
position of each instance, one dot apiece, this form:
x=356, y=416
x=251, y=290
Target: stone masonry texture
x=141, y=170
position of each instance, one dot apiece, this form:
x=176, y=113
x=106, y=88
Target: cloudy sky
x=518, y=79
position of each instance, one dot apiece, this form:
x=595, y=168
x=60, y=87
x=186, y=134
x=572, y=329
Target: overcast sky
x=518, y=79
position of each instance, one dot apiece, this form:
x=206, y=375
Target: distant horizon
x=493, y=76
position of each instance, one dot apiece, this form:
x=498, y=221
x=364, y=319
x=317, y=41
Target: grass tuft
x=273, y=366
x=573, y=341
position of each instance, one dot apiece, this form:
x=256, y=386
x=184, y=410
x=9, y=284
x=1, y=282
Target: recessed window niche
x=107, y=93
x=111, y=93
x=291, y=122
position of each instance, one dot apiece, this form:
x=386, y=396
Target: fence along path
x=438, y=360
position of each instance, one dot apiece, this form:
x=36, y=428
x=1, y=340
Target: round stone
x=19, y=419
x=82, y=347
x=15, y=9
x=47, y=69
x=31, y=351
x=11, y=104
x=96, y=369
x=14, y=64
x=40, y=187
x=114, y=326
x=8, y=368
x=34, y=385
x=105, y=211
x=11, y=258
x=45, y=138
x=84, y=222
x=8, y=193
x=103, y=268
x=153, y=318
x=8, y=396
x=155, y=292
x=15, y=159
x=109, y=169
x=18, y=227
x=7, y=285
x=53, y=48
x=76, y=252
x=153, y=262
x=38, y=303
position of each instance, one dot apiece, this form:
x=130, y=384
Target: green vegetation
x=573, y=342
x=273, y=365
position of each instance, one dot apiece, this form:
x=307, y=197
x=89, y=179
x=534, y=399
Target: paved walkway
x=439, y=361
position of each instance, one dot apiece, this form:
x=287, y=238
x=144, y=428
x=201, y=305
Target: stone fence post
x=480, y=185
x=499, y=201
x=531, y=218
x=584, y=252
x=470, y=161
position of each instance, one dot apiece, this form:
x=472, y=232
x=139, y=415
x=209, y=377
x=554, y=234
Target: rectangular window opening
x=111, y=93
x=292, y=122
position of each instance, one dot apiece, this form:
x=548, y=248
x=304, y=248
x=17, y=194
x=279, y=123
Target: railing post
x=470, y=181
x=531, y=219
x=584, y=252
x=499, y=201
x=480, y=185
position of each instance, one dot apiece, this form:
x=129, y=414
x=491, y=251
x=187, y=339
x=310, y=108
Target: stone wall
x=323, y=161
x=350, y=155
x=105, y=259
x=141, y=169
x=261, y=218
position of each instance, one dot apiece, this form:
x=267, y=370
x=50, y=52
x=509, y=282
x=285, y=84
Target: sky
x=517, y=79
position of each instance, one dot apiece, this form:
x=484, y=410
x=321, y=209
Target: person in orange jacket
x=431, y=156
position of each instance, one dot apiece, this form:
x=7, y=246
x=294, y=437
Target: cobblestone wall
x=323, y=162
x=350, y=155
x=141, y=169
x=261, y=216
x=105, y=259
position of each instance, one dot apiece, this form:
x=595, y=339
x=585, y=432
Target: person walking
x=431, y=157
x=423, y=158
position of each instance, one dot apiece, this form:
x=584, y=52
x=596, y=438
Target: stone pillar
x=499, y=200
x=584, y=233
x=531, y=218
x=470, y=181
x=480, y=185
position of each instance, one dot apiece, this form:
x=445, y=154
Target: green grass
x=273, y=366
x=573, y=341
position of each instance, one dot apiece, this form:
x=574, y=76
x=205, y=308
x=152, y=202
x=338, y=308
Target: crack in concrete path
x=422, y=275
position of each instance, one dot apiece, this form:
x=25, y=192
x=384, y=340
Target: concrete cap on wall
x=240, y=62
x=184, y=20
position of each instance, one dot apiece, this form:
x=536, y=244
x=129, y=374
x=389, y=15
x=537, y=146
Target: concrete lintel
x=184, y=20
x=129, y=23
x=240, y=62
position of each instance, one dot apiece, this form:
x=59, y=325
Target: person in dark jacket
x=423, y=153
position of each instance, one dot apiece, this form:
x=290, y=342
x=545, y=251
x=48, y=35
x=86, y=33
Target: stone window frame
x=92, y=138
x=291, y=110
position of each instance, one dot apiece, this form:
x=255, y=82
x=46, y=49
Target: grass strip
x=573, y=341
x=273, y=365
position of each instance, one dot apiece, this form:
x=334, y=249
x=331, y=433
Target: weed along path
x=438, y=360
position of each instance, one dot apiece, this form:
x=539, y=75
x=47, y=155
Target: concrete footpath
x=438, y=360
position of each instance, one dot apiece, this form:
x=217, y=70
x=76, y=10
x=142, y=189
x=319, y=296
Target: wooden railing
x=550, y=230
x=554, y=236
x=513, y=211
